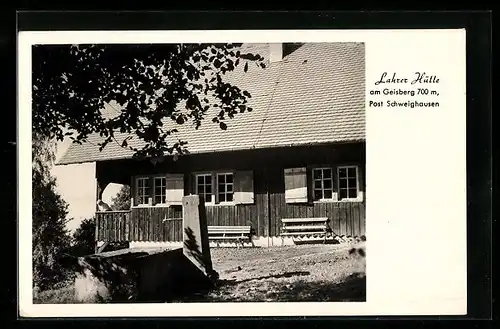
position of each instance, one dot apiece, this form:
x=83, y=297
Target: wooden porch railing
x=138, y=225
x=113, y=226
x=165, y=223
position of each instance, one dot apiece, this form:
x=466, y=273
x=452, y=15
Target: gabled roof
x=316, y=94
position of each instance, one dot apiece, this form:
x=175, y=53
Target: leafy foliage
x=121, y=201
x=84, y=238
x=49, y=210
x=153, y=82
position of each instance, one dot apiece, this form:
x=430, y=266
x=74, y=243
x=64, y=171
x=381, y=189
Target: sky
x=77, y=185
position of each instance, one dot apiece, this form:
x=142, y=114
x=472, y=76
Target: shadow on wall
x=169, y=276
x=155, y=276
x=193, y=250
x=192, y=247
x=138, y=277
x=105, y=278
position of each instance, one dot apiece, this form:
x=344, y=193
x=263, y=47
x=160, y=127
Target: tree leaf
x=179, y=120
x=69, y=80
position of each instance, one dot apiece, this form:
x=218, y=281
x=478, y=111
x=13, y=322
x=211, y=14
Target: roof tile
x=314, y=95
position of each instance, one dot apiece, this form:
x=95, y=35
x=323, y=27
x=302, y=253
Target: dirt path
x=294, y=273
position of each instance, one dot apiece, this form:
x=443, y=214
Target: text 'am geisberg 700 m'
x=420, y=90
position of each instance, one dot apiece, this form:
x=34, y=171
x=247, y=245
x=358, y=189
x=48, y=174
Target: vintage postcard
x=242, y=173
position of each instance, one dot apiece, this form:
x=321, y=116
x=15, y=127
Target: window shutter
x=295, y=185
x=175, y=189
x=243, y=187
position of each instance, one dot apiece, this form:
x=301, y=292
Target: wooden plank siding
x=162, y=223
x=140, y=224
x=346, y=218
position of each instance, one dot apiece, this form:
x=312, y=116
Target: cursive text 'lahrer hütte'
x=419, y=77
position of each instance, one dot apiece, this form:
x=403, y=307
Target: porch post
x=267, y=208
x=100, y=186
x=98, y=194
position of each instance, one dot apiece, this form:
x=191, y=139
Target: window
x=142, y=190
x=348, y=182
x=160, y=189
x=333, y=184
x=323, y=183
x=204, y=186
x=225, y=187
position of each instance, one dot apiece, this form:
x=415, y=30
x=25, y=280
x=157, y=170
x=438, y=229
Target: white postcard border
x=416, y=242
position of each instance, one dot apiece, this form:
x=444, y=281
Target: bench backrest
x=229, y=229
x=304, y=220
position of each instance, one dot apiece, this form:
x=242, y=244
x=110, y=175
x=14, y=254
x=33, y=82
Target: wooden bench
x=307, y=227
x=239, y=234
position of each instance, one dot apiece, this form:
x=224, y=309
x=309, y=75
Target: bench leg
x=101, y=248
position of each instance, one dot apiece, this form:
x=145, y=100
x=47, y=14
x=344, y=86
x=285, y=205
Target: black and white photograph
x=207, y=173
x=189, y=172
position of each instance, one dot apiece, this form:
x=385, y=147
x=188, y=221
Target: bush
x=84, y=238
x=50, y=236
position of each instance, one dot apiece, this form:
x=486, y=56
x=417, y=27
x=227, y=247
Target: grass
x=277, y=274
x=63, y=295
